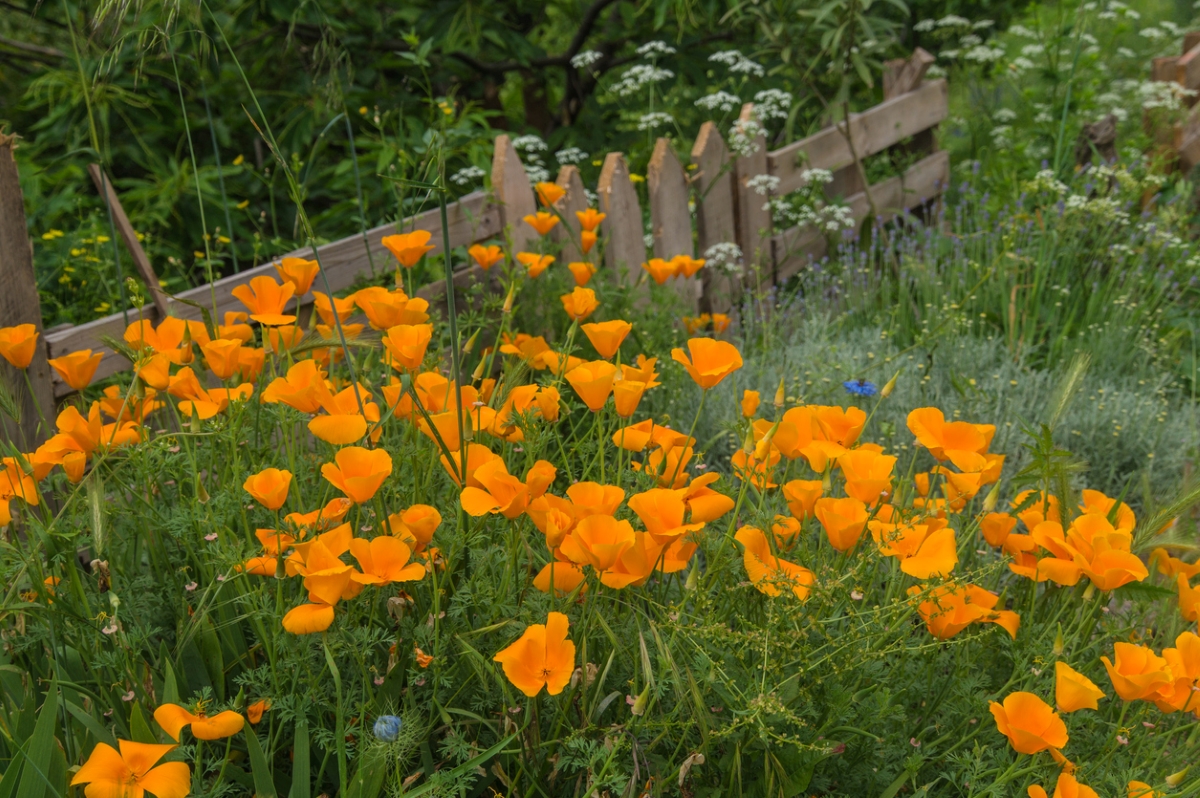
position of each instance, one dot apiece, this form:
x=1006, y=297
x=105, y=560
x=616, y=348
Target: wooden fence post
x=129, y=236
x=670, y=219
x=513, y=192
x=713, y=182
x=574, y=200
x=19, y=304
x=626, y=245
x=902, y=75
x=753, y=221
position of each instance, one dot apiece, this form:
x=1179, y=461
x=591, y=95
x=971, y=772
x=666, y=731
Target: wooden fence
x=718, y=185
x=1184, y=69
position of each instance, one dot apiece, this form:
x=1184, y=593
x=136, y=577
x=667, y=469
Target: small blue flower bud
x=387, y=728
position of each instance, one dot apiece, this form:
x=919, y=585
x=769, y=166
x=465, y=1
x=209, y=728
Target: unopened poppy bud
x=1059, y=644
x=470, y=344
x=890, y=386
x=748, y=441
x=1176, y=778
x=779, y=394
x=992, y=499
x=201, y=493
x=1090, y=592
x=639, y=704
x=508, y=300
x=478, y=374
x=693, y=579
x=763, y=449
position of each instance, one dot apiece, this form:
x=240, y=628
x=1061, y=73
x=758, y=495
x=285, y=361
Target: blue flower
x=860, y=387
x=387, y=728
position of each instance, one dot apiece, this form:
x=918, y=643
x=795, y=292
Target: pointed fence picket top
x=19, y=304
x=753, y=221
x=713, y=184
x=670, y=219
x=626, y=245
x=514, y=194
x=574, y=200
x=902, y=75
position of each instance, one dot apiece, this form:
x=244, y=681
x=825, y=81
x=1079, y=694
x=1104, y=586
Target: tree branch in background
x=33, y=49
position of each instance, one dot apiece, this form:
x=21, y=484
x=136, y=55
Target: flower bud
x=478, y=375
x=387, y=728
x=639, y=704
x=1090, y=592
x=748, y=441
x=779, y=394
x=1059, y=644
x=992, y=499
x=508, y=300
x=693, y=579
x=470, y=344
x=1175, y=779
x=890, y=386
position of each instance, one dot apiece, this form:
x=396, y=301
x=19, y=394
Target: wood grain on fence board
x=670, y=219
x=902, y=75
x=753, y=220
x=923, y=181
x=473, y=218
x=574, y=200
x=625, y=246
x=513, y=192
x=19, y=304
x=712, y=182
x=1187, y=72
x=872, y=131
x=125, y=229
x=1162, y=69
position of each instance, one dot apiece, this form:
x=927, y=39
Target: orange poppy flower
x=1173, y=566
x=222, y=356
x=1138, y=672
x=173, y=718
x=358, y=472
x=307, y=619
x=950, y=608
x=384, y=560
x=133, y=772
x=1029, y=723
x=996, y=527
x=301, y=388
x=659, y=270
x=408, y=248
x=541, y=221
x=423, y=660
x=661, y=511
x=406, y=343
x=345, y=307
x=534, y=263
x=587, y=240
x=627, y=394
x=321, y=519
x=250, y=363
x=77, y=368
x=499, y=492
x=710, y=362
x=17, y=344
x=582, y=271
x=766, y=571
x=924, y=550
x=542, y=656
x=607, y=336
x=593, y=382
x=282, y=339
x=868, y=474
x=580, y=303
x=704, y=503
x=801, y=496
x=299, y=272
x=1189, y=598
x=1068, y=787
x=590, y=219
x=254, y=711
x=562, y=577
x=266, y=300
x=549, y=193
x=269, y=487
x=750, y=402
x=1073, y=690
x=687, y=266
x=842, y=519
x=386, y=309
x=643, y=372
x=486, y=257
x=598, y=540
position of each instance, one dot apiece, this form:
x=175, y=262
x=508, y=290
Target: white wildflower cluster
x=1046, y=181
x=772, y=104
x=586, y=59
x=1104, y=209
x=953, y=21
x=1004, y=115
x=970, y=40
x=982, y=54
x=655, y=49
x=654, y=120
x=467, y=175
x=1002, y=136
x=743, y=137
x=638, y=77
x=1125, y=52
x=1152, y=33
x=721, y=101
x=763, y=184
x=1043, y=115
x=1033, y=50
x=1021, y=64
x=816, y=177
x=925, y=25
x=531, y=147
x=1158, y=94
x=1022, y=31
x=648, y=240
x=593, y=199
x=935, y=71
x=738, y=63
x=726, y=255
x=983, y=24
x=570, y=155
x=827, y=218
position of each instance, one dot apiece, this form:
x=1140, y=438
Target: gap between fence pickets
x=920, y=183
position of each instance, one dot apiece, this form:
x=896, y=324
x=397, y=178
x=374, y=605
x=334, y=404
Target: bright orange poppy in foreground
x=131, y=772
x=1029, y=723
x=408, y=247
x=710, y=362
x=549, y=193
x=299, y=272
x=541, y=221
x=266, y=300
x=541, y=656
x=77, y=368
x=406, y=343
x=1069, y=787
x=269, y=487
x=607, y=336
x=580, y=303
x=358, y=472
x=534, y=263
x=173, y=718
x=766, y=571
x=486, y=257
x=593, y=381
x=1138, y=672
x=842, y=519
x=17, y=344
x=1073, y=690
x=590, y=219
x=582, y=271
